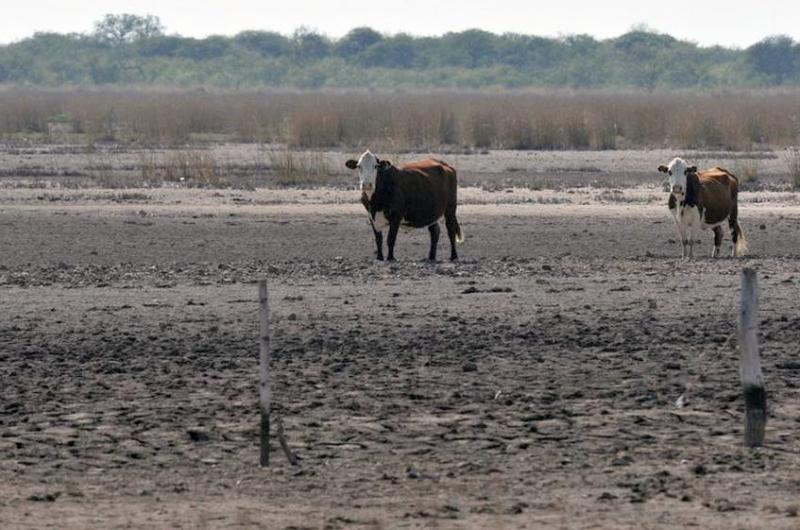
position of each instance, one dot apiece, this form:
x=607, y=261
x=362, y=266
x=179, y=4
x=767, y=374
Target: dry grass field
x=529, y=385
x=407, y=120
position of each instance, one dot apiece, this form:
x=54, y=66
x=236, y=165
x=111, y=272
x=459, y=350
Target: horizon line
x=389, y=34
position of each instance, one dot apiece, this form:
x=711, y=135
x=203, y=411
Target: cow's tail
x=454, y=202
x=741, y=240
x=459, y=233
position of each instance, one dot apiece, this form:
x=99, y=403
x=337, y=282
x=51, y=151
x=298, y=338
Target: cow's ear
x=352, y=164
x=663, y=168
x=691, y=169
x=383, y=165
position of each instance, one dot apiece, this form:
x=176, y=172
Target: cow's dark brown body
x=417, y=195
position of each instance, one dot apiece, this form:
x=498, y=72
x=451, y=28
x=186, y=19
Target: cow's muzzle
x=677, y=189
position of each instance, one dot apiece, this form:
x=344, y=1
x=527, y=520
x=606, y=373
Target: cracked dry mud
x=531, y=384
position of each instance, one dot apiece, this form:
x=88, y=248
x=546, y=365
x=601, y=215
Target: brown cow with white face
x=416, y=195
x=704, y=199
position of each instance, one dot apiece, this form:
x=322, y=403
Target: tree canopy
x=119, y=29
x=132, y=49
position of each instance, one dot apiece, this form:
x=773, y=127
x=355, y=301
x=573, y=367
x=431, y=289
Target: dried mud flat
x=531, y=384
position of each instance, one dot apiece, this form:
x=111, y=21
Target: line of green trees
x=135, y=50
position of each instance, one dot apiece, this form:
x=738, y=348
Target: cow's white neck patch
x=380, y=222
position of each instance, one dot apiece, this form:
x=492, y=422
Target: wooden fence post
x=755, y=396
x=264, y=396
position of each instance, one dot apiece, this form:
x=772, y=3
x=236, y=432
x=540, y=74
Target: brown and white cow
x=704, y=199
x=416, y=195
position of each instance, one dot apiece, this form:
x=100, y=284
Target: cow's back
x=442, y=177
x=428, y=163
x=719, y=175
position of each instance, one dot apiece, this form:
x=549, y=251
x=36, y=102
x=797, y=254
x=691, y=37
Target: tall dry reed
x=405, y=121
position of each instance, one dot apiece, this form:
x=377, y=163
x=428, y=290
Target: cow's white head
x=677, y=170
x=367, y=167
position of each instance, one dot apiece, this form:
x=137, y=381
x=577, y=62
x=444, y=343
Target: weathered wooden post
x=755, y=397
x=264, y=382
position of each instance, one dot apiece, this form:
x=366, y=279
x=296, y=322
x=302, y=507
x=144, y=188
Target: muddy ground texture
x=531, y=384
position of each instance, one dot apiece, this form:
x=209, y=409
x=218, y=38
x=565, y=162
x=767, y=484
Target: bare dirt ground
x=254, y=165
x=530, y=385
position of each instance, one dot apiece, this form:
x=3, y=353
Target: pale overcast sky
x=726, y=22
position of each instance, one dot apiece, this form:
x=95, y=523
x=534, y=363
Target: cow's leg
x=434, y=230
x=684, y=245
x=677, y=215
x=732, y=220
x=717, y=241
x=379, y=244
x=394, y=226
x=690, y=219
x=451, y=223
x=693, y=235
x=683, y=230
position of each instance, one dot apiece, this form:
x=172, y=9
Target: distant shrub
x=482, y=130
x=519, y=134
x=545, y=134
x=314, y=130
x=188, y=167
x=704, y=133
x=746, y=170
x=291, y=168
x=792, y=160
x=448, y=132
